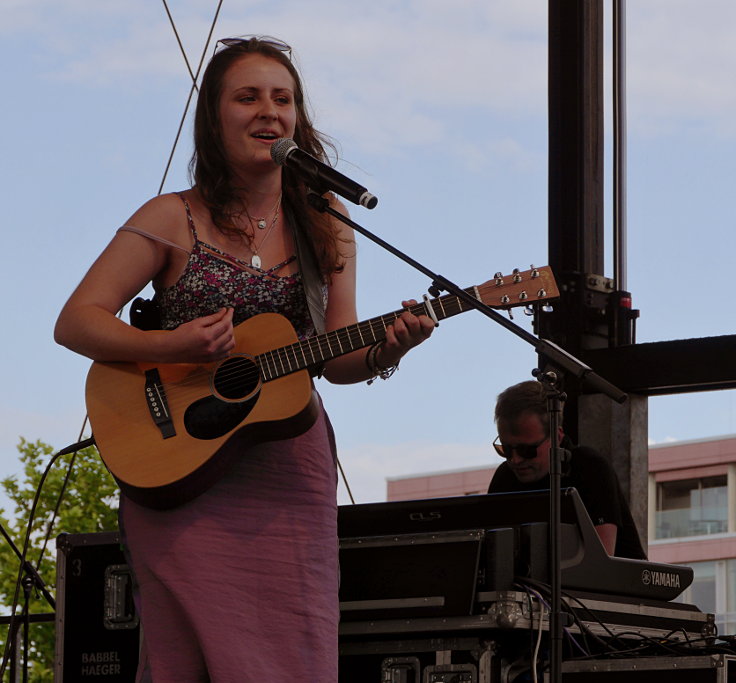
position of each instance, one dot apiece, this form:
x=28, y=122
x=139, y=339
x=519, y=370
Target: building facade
x=691, y=521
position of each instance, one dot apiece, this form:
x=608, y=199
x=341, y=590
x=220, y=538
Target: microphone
x=319, y=176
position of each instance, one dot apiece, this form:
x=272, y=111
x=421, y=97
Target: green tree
x=88, y=504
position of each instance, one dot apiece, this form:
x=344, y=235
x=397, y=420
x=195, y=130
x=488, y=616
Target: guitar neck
x=324, y=347
x=504, y=292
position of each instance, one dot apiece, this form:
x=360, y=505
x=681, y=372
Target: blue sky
x=439, y=109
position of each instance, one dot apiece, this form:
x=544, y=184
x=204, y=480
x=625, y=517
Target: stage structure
x=594, y=319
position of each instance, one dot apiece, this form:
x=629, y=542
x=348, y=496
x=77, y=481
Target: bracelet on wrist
x=377, y=370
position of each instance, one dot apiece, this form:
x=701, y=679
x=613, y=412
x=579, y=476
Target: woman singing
x=240, y=583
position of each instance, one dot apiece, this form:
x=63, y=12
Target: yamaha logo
x=666, y=579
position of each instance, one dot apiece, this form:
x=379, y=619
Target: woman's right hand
x=202, y=340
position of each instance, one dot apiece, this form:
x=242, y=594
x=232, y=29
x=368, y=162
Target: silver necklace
x=261, y=222
x=255, y=260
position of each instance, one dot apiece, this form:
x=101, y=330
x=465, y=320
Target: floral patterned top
x=213, y=279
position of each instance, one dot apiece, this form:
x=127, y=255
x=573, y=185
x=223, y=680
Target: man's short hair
x=525, y=397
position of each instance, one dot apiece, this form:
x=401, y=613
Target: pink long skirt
x=241, y=584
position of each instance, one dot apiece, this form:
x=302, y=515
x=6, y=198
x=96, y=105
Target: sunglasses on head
x=244, y=41
x=524, y=451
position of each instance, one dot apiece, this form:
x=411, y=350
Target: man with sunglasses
x=524, y=441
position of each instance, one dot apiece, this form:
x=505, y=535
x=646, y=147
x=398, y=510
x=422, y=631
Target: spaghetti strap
x=224, y=255
x=190, y=220
x=155, y=238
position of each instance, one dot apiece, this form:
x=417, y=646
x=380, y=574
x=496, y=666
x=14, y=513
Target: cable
x=593, y=617
x=178, y=40
x=345, y=481
x=530, y=605
x=194, y=77
x=585, y=631
x=64, y=484
x=619, y=644
x=535, y=653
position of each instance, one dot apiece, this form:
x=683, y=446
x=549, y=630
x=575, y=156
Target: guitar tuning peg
x=529, y=310
x=511, y=313
x=547, y=308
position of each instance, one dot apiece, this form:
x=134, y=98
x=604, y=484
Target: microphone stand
x=557, y=456
x=550, y=352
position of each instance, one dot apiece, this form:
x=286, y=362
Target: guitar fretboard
x=321, y=348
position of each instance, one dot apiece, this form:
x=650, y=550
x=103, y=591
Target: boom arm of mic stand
x=555, y=354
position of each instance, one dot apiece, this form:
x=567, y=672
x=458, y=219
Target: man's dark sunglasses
x=524, y=451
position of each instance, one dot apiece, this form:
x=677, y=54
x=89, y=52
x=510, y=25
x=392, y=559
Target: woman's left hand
x=406, y=332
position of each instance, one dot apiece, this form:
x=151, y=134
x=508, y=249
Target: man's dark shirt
x=592, y=475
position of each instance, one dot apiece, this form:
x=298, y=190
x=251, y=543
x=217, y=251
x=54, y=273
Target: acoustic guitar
x=161, y=428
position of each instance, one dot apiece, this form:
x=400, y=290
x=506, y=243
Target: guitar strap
x=311, y=277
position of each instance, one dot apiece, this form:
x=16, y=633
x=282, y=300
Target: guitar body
x=164, y=465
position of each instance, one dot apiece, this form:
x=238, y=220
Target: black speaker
x=97, y=632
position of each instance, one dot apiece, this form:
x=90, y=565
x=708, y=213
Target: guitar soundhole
x=211, y=418
x=236, y=379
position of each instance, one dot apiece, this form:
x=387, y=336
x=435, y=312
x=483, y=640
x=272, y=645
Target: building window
x=702, y=591
x=713, y=591
x=692, y=507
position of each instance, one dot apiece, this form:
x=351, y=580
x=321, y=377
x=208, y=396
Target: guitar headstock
x=521, y=288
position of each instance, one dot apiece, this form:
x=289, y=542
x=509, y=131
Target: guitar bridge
x=158, y=405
